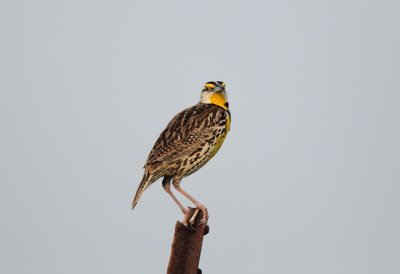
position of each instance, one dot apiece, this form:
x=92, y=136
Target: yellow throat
x=214, y=93
x=218, y=99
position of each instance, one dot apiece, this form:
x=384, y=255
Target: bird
x=188, y=142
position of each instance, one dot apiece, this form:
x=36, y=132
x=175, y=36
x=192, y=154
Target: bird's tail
x=146, y=181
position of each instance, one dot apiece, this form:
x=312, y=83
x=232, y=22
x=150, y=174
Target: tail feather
x=142, y=187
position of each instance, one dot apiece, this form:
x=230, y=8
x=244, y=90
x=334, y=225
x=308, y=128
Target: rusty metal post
x=186, y=246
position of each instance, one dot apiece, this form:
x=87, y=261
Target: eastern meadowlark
x=188, y=142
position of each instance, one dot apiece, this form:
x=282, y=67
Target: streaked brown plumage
x=188, y=142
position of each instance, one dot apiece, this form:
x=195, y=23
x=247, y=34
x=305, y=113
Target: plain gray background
x=306, y=182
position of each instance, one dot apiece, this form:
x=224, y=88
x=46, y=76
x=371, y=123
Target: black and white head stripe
x=212, y=84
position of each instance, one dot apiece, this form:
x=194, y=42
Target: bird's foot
x=205, y=215
x=204, y=212
x=195, y=218
x=191, y=218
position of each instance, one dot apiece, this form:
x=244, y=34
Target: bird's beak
x=218, y=89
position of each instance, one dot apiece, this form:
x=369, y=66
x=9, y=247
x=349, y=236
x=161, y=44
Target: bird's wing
x=186, y=132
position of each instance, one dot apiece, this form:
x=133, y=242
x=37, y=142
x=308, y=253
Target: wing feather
x=185, y=133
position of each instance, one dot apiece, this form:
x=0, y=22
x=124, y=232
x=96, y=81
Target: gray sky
x=306, y=182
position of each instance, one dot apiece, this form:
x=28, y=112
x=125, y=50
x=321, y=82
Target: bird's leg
x=167, y=187
x=199, y=205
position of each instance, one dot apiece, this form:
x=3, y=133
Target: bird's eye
x=221, y=83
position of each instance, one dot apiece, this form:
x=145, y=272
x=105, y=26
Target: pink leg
x=167, y=187
x=199, y=205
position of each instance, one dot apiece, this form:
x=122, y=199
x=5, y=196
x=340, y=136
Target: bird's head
x=214, y=93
